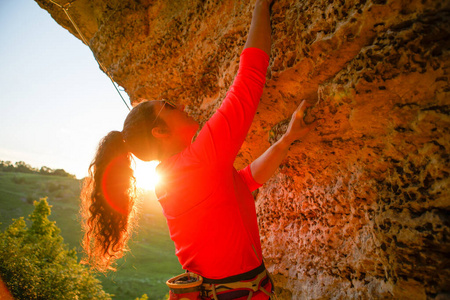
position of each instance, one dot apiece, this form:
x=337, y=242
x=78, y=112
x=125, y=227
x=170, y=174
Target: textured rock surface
x=360, y=210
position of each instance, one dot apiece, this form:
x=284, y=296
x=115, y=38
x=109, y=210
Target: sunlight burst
x=145, y=173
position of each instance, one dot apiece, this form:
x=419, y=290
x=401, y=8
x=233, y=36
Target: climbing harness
x=65, y=8
x=190, y=286
x=239, y=288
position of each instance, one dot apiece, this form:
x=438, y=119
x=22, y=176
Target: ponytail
x=108, y=203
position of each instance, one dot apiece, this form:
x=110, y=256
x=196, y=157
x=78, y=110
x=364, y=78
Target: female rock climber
x=208, y=204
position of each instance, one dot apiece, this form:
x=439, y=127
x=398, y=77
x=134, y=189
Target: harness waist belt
x=244, y=276
x=237, y=286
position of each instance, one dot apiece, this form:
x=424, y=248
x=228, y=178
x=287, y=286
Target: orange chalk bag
x=186, y=286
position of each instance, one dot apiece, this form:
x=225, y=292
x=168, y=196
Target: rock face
x=361, y=209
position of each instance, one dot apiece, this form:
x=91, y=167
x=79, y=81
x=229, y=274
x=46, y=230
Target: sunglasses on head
x=169, y=105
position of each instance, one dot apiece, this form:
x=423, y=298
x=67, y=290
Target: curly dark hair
x=108, y=203
x=108, y=198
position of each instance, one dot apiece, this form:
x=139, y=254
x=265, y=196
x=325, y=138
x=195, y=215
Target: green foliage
x=22, y=167
x=19, y=179
x=144, y=269
x=36, y=264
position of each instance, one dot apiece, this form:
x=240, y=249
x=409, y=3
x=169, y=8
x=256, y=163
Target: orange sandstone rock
x=361, y=208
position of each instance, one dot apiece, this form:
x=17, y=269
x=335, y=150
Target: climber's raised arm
x=265, y=166
x=260, y=31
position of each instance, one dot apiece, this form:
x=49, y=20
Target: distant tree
x=61, y=173
x=7, y=166
x=22, y=167
x=36, y=264
x=45, y=170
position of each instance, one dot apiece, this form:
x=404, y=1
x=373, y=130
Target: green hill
x=144, y=270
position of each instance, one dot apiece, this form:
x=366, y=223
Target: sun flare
x=145, y=174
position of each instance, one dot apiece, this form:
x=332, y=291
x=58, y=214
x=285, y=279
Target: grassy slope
x=144, y=270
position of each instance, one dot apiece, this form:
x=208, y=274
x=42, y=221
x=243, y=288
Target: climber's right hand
x=298, y=128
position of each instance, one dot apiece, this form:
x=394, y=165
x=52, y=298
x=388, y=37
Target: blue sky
x=56, y=104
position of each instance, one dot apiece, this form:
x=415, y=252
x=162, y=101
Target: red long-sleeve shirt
x=208, y=204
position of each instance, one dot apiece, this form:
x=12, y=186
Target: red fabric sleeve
x=222, y=136
x=247, y=176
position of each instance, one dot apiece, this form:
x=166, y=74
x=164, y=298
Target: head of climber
x=154, y=130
